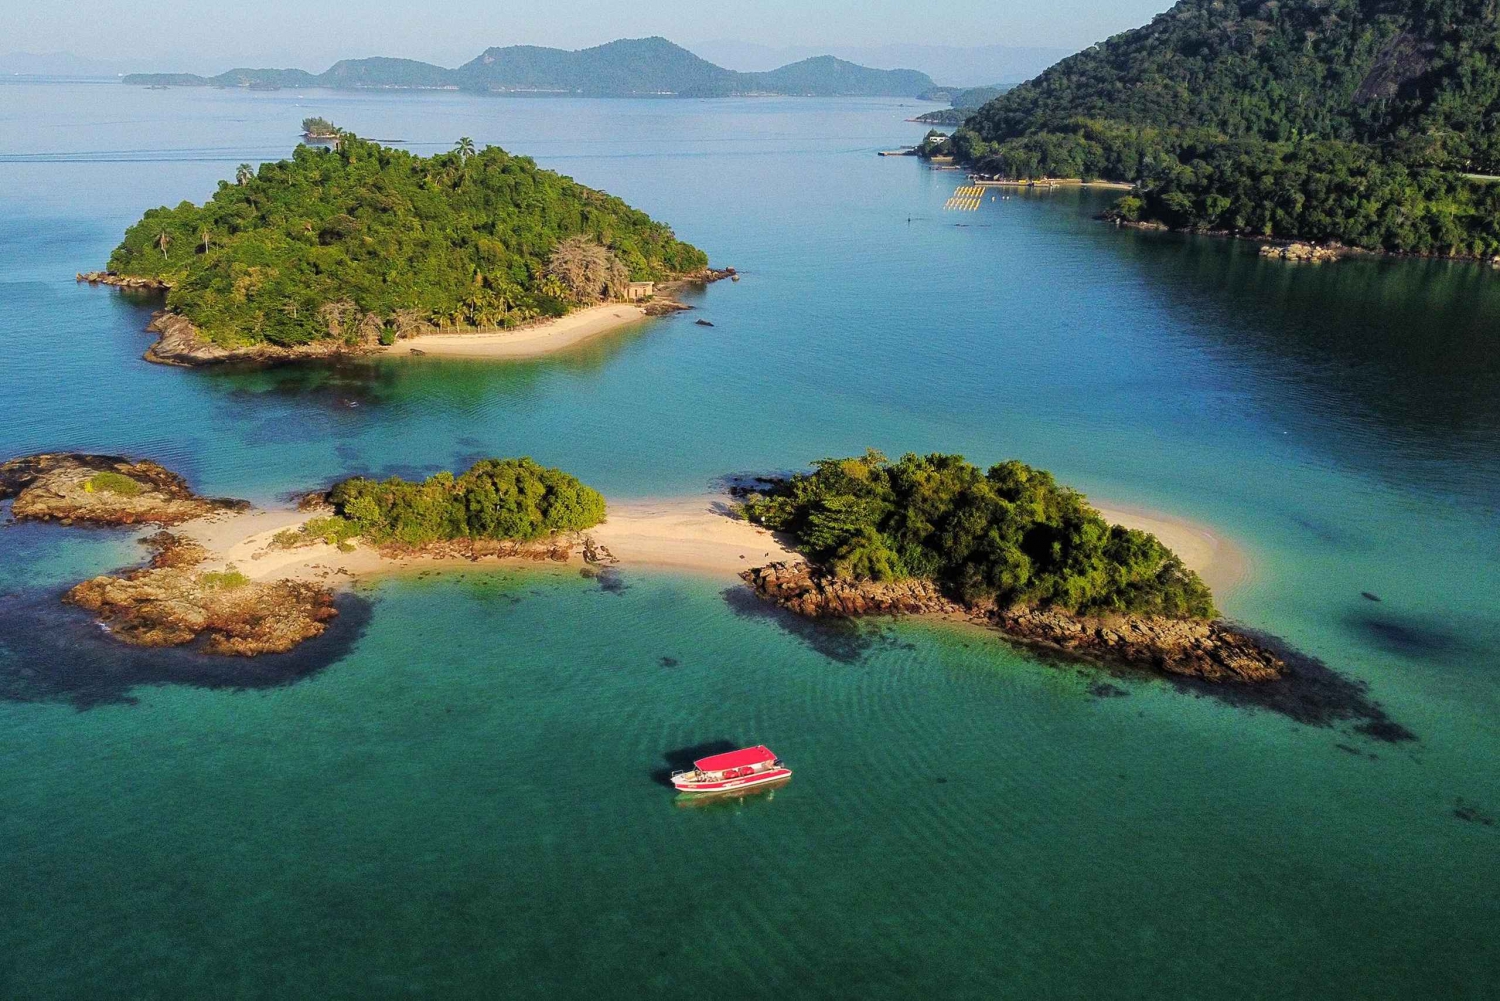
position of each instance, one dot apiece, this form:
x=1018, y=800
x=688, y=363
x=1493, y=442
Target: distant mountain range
x=633, y=67
x=954, y=65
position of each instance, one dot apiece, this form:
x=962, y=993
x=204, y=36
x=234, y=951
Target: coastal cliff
x=1208, y=650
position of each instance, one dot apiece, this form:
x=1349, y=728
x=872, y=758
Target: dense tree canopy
x=1341, y=119
x=1010, y=534
x=332, y=243
x=514, y=499
x=319, y=128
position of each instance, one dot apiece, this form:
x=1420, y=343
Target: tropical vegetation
x=365, y=242
x=1360, y=121
x=1009, y=535
x=512, y=499
x=319, y=128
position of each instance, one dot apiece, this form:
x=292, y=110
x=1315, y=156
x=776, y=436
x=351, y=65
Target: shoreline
x=695, y=534
x=180, y=344
x=185, y=595
x=1055, y=182
x=533, y=340
x=1340, y=251
x=246, y=581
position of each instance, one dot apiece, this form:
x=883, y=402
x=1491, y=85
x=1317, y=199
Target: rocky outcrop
x=1210, y=651
x=816, y=594
x=557, y=549
x=122, y=281
x=664, y=307
x=1304, y=253
x=168, y=550
x=180, y=343
x=709, y=275
x=595, y=553
x=223, y=613
x=102, y=490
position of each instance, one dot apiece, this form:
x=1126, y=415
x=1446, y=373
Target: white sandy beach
x=690, y=534
x=531, y=341
x=685, y=534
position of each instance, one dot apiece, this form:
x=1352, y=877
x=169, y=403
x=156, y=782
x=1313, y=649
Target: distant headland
x=628, y=67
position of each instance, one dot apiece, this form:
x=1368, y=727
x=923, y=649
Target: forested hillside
x=1351, y=120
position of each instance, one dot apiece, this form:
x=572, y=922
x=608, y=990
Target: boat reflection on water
x=731, y=798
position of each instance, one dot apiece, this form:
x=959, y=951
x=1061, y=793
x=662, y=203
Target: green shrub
x=114, y=483
x=333, y=530
x=514, y=499
x=288, y=538
x=1010, y=535
x=223, y=580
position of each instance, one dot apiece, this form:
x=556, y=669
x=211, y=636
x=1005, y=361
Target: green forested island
x=1357, y=121
x=1009, y=535
x=365, y=242
x=512, y=499
x=623, y=68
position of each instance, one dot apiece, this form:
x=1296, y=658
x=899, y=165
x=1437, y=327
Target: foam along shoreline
x=693, y=534
x=531, y=341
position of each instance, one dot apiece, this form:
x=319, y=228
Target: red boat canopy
x=735, y=759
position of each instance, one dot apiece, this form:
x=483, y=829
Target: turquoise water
x=466, y=799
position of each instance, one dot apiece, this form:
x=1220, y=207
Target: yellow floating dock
x=965, y=199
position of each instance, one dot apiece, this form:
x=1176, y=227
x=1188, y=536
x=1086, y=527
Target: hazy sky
x=312, y=34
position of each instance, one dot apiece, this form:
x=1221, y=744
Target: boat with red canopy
x=749, y=766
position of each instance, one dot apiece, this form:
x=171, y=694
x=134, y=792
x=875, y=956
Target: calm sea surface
x=460, y=794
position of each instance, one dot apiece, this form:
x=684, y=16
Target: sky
x=313, y=34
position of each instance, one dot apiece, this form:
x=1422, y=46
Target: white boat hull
x=697, y=785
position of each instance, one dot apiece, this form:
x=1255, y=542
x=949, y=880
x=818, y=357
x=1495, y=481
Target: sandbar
x=695, y=534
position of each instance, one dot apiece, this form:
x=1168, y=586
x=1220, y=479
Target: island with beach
x=362, y=248
x=1006, y=549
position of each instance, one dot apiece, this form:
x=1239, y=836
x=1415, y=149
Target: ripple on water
x=54, y=652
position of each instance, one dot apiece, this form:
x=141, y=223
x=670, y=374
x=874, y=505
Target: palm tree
x=464, y=147
x=244, y=174
x=206, y=235
x=162, y=240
